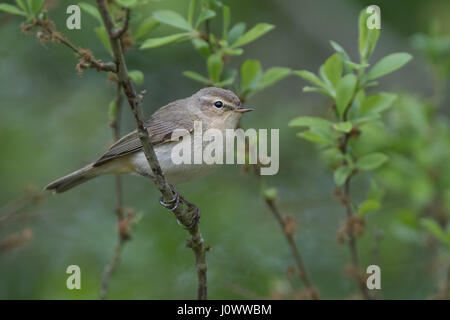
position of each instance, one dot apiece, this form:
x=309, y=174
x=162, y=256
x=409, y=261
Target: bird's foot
x=173, y=204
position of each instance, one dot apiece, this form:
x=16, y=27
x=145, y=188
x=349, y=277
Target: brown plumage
x=179, y=114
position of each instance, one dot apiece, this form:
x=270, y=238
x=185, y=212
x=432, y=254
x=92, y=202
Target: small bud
x=270, y=194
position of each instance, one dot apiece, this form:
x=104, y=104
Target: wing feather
x=160, y=128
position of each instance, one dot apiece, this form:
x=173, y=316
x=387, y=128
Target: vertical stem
x=347, y=202
x=294, y=249
x=352, y=240
x=123, y=235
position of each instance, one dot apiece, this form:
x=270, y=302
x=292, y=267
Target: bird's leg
x=173, y=204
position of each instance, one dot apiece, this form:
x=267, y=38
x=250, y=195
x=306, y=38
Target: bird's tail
x=75, y=178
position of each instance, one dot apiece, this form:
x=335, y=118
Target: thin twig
x=14, y=210
x=183, y=215
x=109, y=269
x=352, y=240
x=119, y=31
x=289, y=234
x=123, y=235
x=87, y=59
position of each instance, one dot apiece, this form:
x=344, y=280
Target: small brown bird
x=216, y=109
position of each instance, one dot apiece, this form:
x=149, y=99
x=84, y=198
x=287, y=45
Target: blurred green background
x=53, y=121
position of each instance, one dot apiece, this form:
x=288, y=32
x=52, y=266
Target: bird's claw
x=173, y=204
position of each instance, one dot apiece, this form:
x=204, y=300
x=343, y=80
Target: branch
x=183, y=215
x=87, y=60
x=289, y=234
x=122, y=222
x=351, y=219
x=352, y=240
x=119, y=31
x=14, y=210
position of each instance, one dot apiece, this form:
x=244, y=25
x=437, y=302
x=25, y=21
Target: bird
x=214, y=108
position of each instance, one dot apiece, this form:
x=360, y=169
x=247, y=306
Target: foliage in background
x=217, y=49
x=417, y=178
x=415, y=137
x=346, y=83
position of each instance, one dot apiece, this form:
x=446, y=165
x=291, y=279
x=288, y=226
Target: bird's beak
x=243, y=110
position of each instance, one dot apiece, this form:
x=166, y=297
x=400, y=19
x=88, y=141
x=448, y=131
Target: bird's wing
x=160, y=128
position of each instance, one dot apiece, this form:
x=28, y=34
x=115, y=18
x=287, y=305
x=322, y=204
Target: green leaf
x=137, y=76
x=172, y=18
x=215, y=67
x=344, y=92
x=226, y=14
x=333, y=69
x=36, y=6
x=315, y=89
x=127, y=3
x=345, y=57
x=250, y=70
x=157, y=42
x=343, y=126
x=317, y=134
x=367, y=37
x=369, y=205
x=196, y=76
x=365, y=119
x=309, y=122
x=341, y=174
x=236, y=32
x=229, y=77
x=91, y=10
x=371, y=161
x=357, y=66
x=205, y=14
x=23, y=5
x=435, y=229
x=388, y=64
x=272, y=76
x=102, y=34
x=377, y=103
x=11, y=9
x=311, y=77
x=254, y=33
x=202, y=47
x=191, y=11
x=145, y=27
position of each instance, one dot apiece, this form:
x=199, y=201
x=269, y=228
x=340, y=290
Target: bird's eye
x=218, y=104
